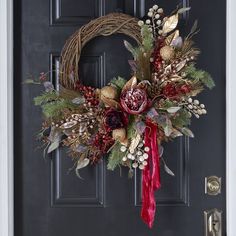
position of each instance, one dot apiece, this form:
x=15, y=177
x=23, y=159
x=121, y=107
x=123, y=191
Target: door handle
x=213, y=222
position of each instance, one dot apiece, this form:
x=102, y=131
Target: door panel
x=52, y=201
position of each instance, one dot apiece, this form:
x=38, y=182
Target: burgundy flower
x=134, y=100
x=114, y=119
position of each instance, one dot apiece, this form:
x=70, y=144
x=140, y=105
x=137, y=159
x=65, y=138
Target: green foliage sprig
x=200, y=76
x=46, y=97
x=52, y=104
x=115, y=157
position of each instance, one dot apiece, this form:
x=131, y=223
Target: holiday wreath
x=128, y=119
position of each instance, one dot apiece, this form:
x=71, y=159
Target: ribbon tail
x=150, y=179
x=156, y=178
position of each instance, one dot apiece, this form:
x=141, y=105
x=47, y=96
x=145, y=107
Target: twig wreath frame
x=107, y=25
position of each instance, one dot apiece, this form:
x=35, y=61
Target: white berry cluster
x=138, y=157
x=154, y=19
x=195, y=108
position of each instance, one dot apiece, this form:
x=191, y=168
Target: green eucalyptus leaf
x=176, y=133
x=82, y=162
x=78, y=100
x=183, y=10
x=53, y=146
x=54, y=137
x=167, y=169
x=118, y=82
x=168, y=127
x=130, y=48
x=194, y=27
x=186, y=131
x=31, y=81
x=173, y=109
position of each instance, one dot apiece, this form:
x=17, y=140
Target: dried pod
x=110, y=102
x=109, y=92
x=125, y=142
x=167, y=53
x=119, y=134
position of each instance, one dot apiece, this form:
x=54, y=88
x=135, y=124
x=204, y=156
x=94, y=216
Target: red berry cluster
x=157, y=62
x=173, y=91
x=89, y=94
x=103, y=142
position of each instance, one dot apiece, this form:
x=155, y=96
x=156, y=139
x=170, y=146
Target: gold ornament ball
x=109, y=92
x=167, y=53
x=119, y=134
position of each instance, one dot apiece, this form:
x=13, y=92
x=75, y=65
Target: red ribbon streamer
x=151, y=175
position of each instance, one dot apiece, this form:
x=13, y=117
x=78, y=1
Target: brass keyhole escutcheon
x=212, y=185
x=213, y=222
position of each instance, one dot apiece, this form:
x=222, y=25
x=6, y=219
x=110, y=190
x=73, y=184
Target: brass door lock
x=212, y=185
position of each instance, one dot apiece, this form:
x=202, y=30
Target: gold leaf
x=130, y=84
x=172, y=37
x=68, y=124
x=170, y=24
x=134, y=143
x=110, y=102
x=168, y=69
x=175, y=78
x=181, y=65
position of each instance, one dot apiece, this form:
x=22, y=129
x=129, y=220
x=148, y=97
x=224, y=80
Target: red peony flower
x=114, y=119
x=134, y=100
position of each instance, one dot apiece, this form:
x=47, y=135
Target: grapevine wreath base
x=127, y=119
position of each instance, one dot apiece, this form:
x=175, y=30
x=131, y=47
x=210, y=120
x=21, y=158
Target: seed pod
x=109, y=92
x=125, y=142
x=119, y=134
x=167, y=53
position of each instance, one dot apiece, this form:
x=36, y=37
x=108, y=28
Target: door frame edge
x=230, y=116
x=6, y=119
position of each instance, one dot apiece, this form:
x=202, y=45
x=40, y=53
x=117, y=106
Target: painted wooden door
x=49, y=201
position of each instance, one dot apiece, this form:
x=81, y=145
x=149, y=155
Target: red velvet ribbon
x=151, y=175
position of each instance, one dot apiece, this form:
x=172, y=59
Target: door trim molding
x=230, y=117
x=6, y=118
